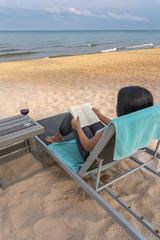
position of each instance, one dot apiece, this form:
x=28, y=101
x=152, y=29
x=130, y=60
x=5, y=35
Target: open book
x=86, y=115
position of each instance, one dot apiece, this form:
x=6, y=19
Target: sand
x=50, y=205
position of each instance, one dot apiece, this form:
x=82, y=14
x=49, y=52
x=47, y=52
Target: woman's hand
x=101, y=117
x=76, y=123
x=97, y=112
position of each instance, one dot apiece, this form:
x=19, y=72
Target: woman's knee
x=65, y=127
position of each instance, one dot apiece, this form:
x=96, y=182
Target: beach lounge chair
x=125, y=138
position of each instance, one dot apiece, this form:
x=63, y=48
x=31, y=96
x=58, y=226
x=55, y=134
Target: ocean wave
x=16, y=54
x=141, y=46
x=109, y=50
x=4, y=45
x=126, y=48
x=98, y=44
x=10, y=50
x=92, y=45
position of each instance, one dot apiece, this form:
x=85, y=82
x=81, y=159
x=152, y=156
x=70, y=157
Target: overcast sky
x=79, y=14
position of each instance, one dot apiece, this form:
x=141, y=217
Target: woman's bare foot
x=52, y=139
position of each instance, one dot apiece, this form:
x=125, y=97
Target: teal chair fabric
x=133, y=131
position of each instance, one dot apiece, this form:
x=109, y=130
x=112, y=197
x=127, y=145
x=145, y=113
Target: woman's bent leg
x=64, y=129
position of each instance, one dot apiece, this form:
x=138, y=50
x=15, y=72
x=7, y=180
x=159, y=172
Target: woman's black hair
x=133, y=98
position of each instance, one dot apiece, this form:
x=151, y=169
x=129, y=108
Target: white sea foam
x=92, y=45
x=142, y=45
x=109, y=50
x=129, y=47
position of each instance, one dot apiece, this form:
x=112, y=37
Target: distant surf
x=28, y=45
x=92, y=45
x=127, y=48
x=109, y=50
x=141, y=46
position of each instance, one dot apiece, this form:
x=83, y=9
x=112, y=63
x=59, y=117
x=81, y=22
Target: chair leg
x=98, y=173
x=156, y=150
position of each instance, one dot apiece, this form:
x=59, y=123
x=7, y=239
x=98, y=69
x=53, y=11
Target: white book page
x=89, y=113
x=77, y=111
x=85, y=113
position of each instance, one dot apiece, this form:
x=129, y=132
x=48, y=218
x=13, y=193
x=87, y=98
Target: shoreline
x=101, y=52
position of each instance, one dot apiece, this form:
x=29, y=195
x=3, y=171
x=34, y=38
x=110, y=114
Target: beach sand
x=50, y=205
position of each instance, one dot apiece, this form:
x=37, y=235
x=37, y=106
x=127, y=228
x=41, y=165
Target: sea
x=27, y=45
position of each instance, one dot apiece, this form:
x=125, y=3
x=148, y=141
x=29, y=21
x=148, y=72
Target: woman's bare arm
x=101, y=117
x=87, y=143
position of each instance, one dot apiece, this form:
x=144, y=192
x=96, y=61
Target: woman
x=129, y=99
